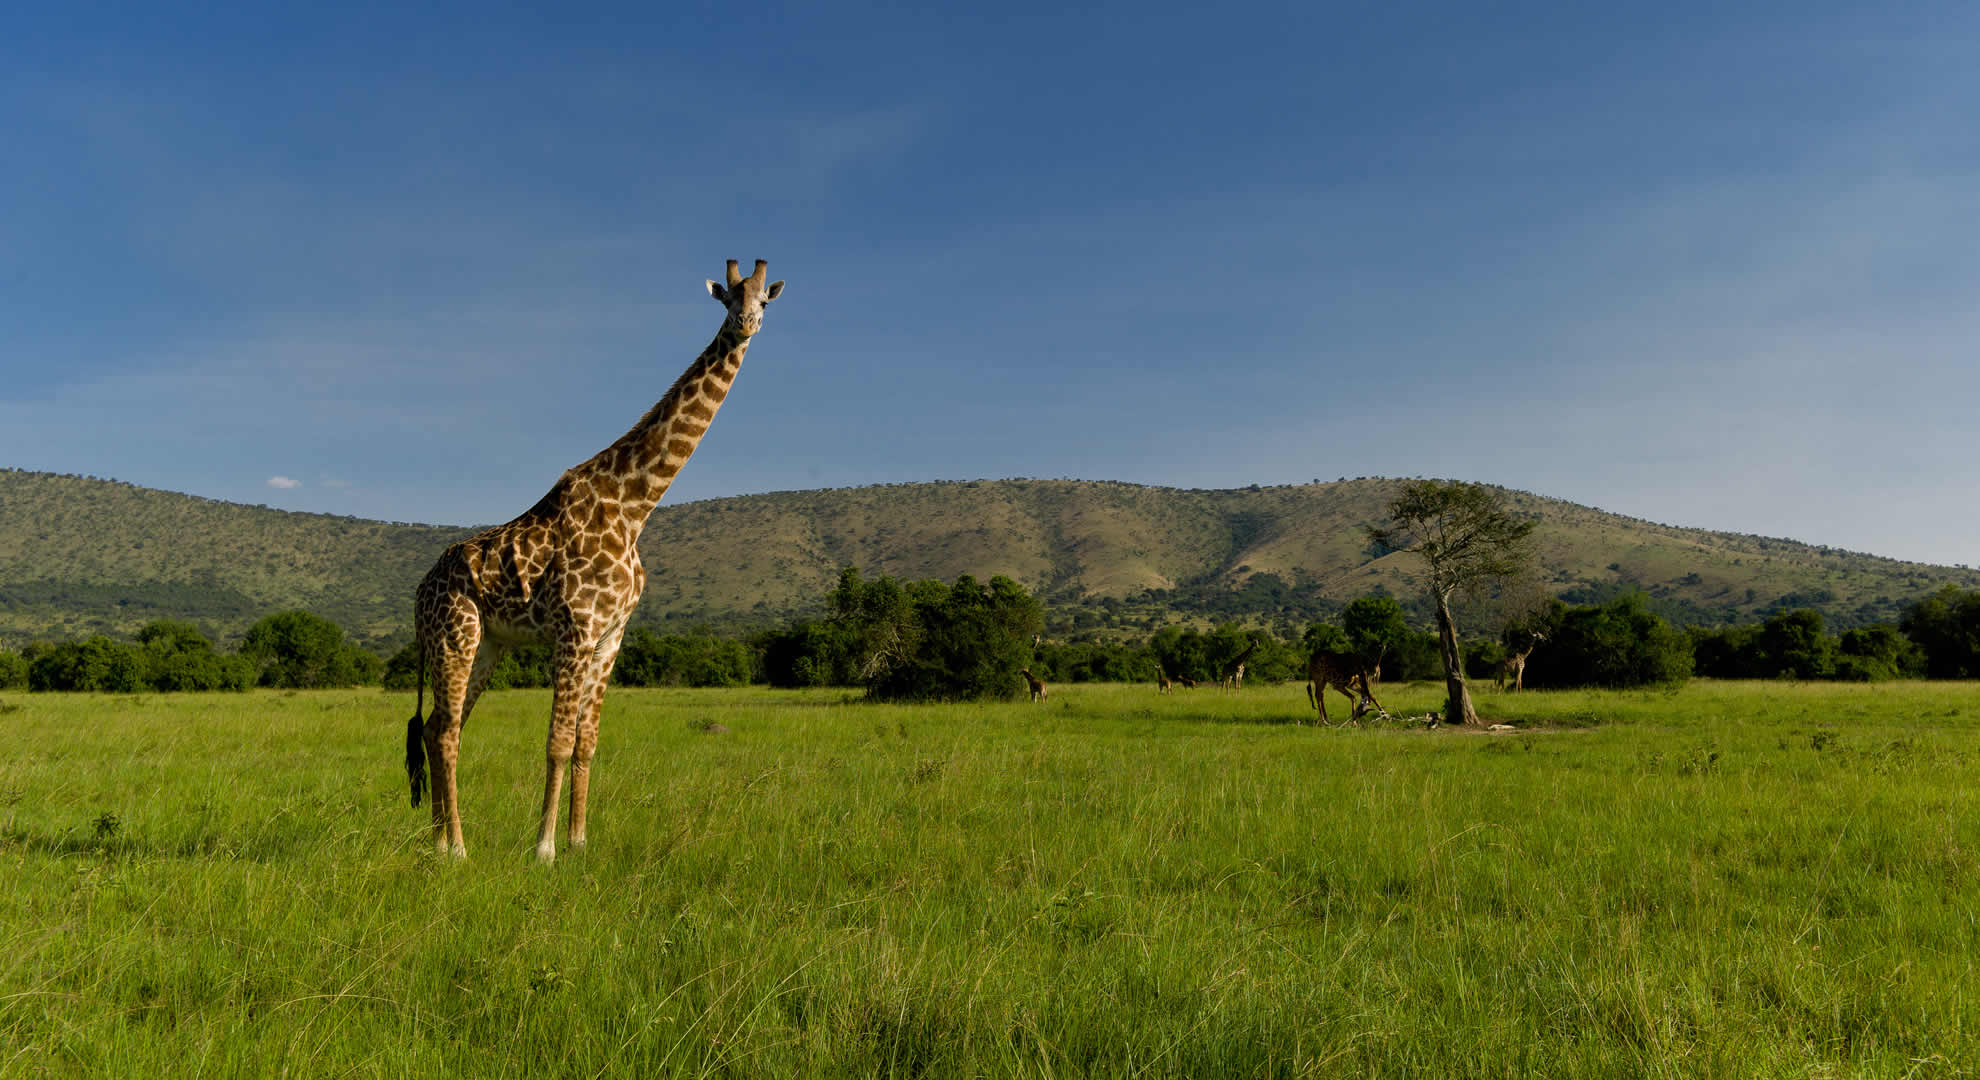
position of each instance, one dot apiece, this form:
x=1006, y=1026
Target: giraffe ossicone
x=567, y=573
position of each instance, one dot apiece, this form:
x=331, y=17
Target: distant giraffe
x=1514, y=665
x=1037, y=687
x=1344, y=672
x=1186, y=682
x=1233, y=679
x=1163, y=685
x=566, y=572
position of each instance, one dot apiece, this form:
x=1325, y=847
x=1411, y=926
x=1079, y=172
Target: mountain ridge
x=85, y=555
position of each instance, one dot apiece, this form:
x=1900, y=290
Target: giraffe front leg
x=587, y=732
x=569, y=699
x=1368, y=698
x=586, y=745
x=556, y=755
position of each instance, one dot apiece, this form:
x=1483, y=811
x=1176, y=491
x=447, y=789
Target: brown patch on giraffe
x=679, y=448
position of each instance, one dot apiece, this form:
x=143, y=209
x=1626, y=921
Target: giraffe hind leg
x=582, y=749
x=460, y=672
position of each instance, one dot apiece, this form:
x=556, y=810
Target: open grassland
x=1730, y=880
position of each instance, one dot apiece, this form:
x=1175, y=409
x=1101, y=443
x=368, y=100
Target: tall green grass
x=1736, y=880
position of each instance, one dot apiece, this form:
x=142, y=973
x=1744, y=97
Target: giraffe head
x=746, y=297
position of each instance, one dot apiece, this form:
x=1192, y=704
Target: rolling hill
x=83, y=555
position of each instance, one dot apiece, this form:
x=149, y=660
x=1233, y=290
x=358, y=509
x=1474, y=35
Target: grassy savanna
x=1732, y=879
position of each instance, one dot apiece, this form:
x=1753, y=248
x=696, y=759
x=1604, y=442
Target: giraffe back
x=561, y=563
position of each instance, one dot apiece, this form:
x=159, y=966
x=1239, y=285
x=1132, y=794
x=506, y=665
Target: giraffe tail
x=416, y=737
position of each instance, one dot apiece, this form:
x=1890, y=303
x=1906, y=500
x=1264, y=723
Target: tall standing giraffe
x=567, y=573
x=1233, y=679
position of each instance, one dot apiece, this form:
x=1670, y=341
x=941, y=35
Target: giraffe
x=566, y=572
x=1345, y=672
x=1038, y=690
x=1163, y=685
x=1514, y=665
x=1233, y=679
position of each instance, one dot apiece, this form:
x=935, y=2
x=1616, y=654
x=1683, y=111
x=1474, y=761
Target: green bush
x=1946, y=628
x=649, y=659
x=1726, y=652
x=924, y=642
x=1878, y=648
x=178, y=657
x=1094, y=661
x=1792, y=645
x=13, y=671
x=810, y=653
x=95, y=663
x=298, y=649
x=1483, y=659
x=1618, y=644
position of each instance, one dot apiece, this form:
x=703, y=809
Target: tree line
x=966, y=640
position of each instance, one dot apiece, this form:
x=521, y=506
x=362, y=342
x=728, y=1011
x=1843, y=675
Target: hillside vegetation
x=83, y=555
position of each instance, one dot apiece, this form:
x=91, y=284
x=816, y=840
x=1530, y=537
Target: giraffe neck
x=638, y=469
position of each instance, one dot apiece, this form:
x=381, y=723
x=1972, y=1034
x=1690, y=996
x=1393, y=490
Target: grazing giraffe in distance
x=1345, y=672
x=566, y=572
x=1514, y=665
x=1233, y=679
x=1037, y=687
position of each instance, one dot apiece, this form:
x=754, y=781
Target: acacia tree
x=1467, y=538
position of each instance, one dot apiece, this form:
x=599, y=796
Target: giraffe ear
x=771, y=293
x=720, y=293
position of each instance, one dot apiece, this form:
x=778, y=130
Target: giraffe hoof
x=546, y=854
x=458, y=851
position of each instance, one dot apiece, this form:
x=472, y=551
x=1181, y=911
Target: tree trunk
x=1458, y=709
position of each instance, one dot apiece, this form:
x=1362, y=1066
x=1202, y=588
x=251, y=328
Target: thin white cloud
x=283, y=482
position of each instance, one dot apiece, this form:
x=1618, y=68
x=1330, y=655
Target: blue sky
x=1712, y=265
